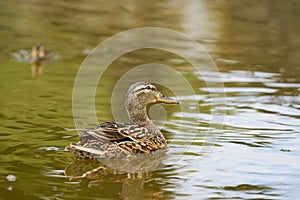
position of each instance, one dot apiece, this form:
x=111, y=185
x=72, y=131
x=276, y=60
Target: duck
x=38, y=54
x=110, y=140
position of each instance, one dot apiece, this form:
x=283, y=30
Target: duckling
x=118, y=140
x=38, y=54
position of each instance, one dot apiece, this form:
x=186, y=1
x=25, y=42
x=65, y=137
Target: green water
x=254, y=154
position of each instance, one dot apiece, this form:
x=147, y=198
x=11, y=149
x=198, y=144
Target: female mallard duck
x=115, y=140
x=38, y=54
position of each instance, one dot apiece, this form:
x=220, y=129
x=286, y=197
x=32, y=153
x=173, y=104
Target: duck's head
x=139, y=96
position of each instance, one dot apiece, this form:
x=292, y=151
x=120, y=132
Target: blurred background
x=256, y=46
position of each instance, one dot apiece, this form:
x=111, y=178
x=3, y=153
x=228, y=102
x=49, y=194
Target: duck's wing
x=114, y=132
x=113, y=139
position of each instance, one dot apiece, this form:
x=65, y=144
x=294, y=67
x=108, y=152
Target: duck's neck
x=138, y=115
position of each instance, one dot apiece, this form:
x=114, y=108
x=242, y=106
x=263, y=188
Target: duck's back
x=114, y=140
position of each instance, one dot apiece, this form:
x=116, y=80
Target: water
x=253, y=154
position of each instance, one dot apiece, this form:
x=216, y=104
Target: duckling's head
x=37, y=53
x=141, y=94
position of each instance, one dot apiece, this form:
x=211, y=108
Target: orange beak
x=166, y=100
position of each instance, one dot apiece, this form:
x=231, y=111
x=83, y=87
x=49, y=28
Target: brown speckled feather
x=113, y=139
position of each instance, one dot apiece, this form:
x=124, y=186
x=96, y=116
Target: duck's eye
x=148, y=88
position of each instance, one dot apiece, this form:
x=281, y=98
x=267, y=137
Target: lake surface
x=235, y=136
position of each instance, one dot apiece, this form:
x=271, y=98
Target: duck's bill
x=166, y=100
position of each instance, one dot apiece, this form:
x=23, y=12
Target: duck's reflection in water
x=133, y=172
